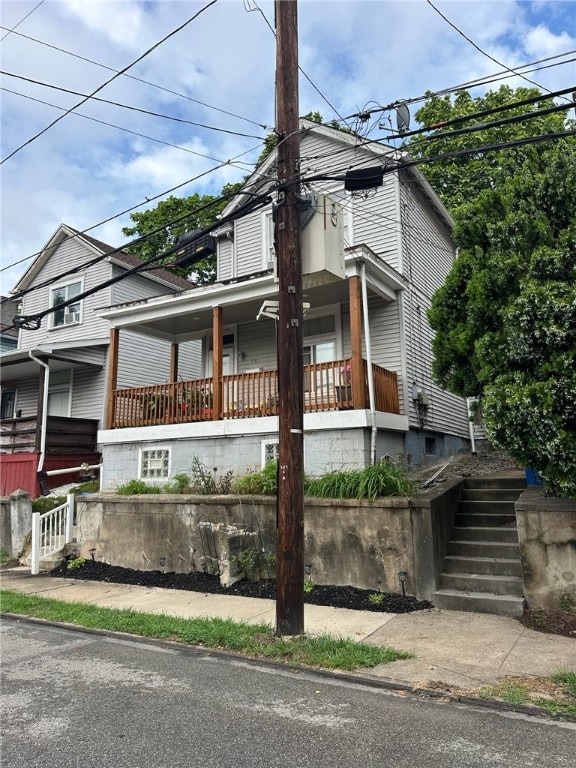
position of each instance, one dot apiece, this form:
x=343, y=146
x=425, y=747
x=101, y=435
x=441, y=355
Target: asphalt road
x=76, y=699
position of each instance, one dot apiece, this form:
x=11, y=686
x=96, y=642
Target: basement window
x=269, y=451
x=430, y=446
x=155, y=464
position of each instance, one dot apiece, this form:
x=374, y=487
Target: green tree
x=505, y=320
x=203, y=210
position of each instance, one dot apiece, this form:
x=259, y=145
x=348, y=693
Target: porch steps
x=482, y=569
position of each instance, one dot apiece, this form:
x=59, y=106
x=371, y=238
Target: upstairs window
x=70, y=314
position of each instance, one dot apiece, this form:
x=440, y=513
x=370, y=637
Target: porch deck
x=327, y=387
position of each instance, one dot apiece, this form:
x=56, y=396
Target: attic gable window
x=71, y=314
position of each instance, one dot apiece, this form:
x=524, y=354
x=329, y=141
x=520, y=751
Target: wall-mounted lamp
x=308, y=569
x=162, y=562
x=402, y=576
x=241, y=355
x=92, y=553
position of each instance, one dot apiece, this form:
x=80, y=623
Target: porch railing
x=327, y=387
x=51, y=531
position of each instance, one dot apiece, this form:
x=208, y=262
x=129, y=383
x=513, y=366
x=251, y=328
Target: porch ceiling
x=188, y=315
x=17, y=366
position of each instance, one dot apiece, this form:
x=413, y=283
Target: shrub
x=262, y=483
x=254, y=564
x=208, y=483
x=180, y=483
x=368, y=483
x=137, y=487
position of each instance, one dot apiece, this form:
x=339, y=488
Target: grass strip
x=255, y=640
x=524, y=691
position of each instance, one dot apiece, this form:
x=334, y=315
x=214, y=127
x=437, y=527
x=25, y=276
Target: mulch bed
x=330, y=595
x=551, y=622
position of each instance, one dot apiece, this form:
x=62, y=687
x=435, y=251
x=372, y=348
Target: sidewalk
x=464, y=650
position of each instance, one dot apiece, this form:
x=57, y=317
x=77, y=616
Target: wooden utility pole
x=290, y=513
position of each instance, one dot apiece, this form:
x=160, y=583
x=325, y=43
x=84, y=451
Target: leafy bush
x=368, y=483
x=254, y=564
x=207, y=483
x=76, y=563
x=137, y=487
x=46, y=503
x=180, y=483
x=262, y=483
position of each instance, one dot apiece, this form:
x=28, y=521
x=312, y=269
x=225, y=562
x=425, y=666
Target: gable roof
x=120, y=258
x=373, y=150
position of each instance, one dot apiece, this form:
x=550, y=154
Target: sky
x=212, y=87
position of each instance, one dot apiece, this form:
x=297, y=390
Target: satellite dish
x=402, y=118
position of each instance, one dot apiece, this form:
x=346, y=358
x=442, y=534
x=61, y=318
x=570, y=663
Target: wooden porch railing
x=327, y=387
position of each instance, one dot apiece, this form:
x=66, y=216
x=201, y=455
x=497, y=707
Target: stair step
x=510, y=480
x=481, y=602
x=485, y=533
x=491, y=494
x=487, y=507
x=490, y=519
x=483, y=549
x=483, y=582
x=495, y=566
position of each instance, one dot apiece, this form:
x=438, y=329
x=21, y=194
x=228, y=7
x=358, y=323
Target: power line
x=10, y=30
x=100, y=87
x=127, y=106
x=32, y=322
x=142, y=80
x=112, y=125
x=488, y=56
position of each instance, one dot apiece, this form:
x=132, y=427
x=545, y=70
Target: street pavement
x=459, y=649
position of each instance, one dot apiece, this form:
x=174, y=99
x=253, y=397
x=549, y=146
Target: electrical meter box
x=322, y=241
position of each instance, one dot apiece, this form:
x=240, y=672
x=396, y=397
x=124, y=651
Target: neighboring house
x=54, y=382
x=8, y=334
x=371, y=265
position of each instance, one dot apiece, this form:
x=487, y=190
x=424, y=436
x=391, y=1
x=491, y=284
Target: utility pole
x=290, y=512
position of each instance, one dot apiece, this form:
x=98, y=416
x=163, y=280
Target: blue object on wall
x=532, y=477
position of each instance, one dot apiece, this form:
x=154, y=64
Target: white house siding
x=27, y=397
x=225, y=258
x=67, y=255
x=88, y=385
x=257, y=341
x=249, y=244
x=143, y=360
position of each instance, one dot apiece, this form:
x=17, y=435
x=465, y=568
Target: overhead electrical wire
x=12, y=29
x=142, y=80
x=112, y=125
x=128, y=106
x=475, y=45
x=32, y=322
x=462, y=86
x=111, y=79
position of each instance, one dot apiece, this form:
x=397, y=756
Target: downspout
x=470, y=426
x=370, y=377
x=44, y=408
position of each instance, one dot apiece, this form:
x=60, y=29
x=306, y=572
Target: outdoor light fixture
x=308, y=569
x=162, y=561
x=92, y=552
x=402, y=576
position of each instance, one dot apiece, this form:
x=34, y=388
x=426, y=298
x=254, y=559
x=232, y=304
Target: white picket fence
x=51, y=531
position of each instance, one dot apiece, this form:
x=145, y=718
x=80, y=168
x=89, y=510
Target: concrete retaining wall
x=346, y=542
x=15, y=522
x=547, y=537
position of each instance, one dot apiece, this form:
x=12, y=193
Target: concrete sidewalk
x=464, y=650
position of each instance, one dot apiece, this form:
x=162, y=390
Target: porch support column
x=112, y=382
x=358, y=382
x=174, y=362
x=217, y=342
x=40, y=416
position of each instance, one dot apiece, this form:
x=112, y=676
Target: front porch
x=331, y=386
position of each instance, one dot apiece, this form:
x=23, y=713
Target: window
x=269, y=451
x=155, y=464
x=70, y=314
x=8, y=403
x=59, y=393
x=430, y=446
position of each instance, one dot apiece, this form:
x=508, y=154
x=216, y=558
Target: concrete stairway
x=482, y=570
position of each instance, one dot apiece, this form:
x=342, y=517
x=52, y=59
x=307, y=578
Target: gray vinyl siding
x=257, y=340
x=447, y=412
x=67, y=255
x=225, y=257
x=249, y=245
x=375, y=222
x=27, y=397
x=88, y=387
x=135, y=287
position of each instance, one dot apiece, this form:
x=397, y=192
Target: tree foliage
x=505, y=320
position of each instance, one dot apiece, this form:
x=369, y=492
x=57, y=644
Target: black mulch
x=335, y=596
